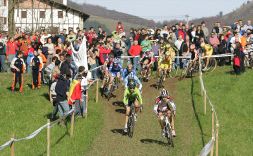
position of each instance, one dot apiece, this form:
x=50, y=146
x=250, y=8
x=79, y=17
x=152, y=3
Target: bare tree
x=11, y=22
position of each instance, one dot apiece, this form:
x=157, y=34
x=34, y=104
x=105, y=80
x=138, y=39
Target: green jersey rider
x=132, y=95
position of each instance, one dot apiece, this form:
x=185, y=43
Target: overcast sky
x=169, y=9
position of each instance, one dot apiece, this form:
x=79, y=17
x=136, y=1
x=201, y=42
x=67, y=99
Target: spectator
x=135, y=52
x=120, y=27
x=204, y=29
x=214, y=41
x=61, y=89
x=2, y=56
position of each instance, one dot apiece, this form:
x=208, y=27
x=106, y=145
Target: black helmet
x=131, y=85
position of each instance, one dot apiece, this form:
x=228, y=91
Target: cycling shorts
x=114, y=74
x=165, y=66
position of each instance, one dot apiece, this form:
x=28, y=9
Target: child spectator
x=36, y=70
x=18, y=67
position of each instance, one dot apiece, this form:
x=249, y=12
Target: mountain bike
x=131, y=121
x=174, y=70
x=161, y=78
x=167, y=129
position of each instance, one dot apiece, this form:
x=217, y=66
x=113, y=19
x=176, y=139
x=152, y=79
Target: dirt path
x=147, y=140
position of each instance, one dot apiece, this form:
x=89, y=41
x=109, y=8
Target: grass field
x=231, y=95
x=233, y=98
x=21, y=114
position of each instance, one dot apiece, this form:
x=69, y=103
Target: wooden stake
x=12, y=146
x=72, y=124
x=48, y=138
x=205, y=102
x=97, y=93
x=212, y=131
x=216, y=139
x=86, y=109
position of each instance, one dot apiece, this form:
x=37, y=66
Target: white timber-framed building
x=32, y=15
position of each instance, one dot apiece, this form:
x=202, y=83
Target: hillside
x=244, y=12
x=109, y=18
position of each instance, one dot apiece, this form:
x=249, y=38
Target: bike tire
x=131, y=126
x=212, y=65
x=169, y=135
x=174, y=71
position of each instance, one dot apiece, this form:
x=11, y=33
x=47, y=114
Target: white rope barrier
x=209, y=146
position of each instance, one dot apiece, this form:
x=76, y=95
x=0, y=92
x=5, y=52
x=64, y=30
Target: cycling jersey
x=161, y=105
x=114, y=69
x=208, y=50
x=164, y=63
x=129, y=97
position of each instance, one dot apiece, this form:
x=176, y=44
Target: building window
x=60, y=14
x=23, y=14
x=42, y=14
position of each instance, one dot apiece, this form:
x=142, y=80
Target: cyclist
x=107, y=80
x=115, y=69
x=128, y=70
x=146, y=63
x=132, y=77
x=208, y=52
x=132, y=95
x=194, y=55
x=165, y=104
x=164, y=63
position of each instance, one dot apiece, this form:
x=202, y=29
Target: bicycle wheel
x=174, y=70
x=131, y=126
x=169, y=135
x=212, y=65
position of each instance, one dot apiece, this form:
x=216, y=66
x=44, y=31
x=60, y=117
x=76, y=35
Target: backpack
x=236, y=61
x=35, y=63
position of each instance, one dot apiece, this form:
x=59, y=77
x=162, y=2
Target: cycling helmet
x=131, y=85
x=164, y=93
x=116, y=61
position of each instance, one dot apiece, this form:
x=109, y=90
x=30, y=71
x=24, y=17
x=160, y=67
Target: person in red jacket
x=135, y=50
x=103, y=53
x=120, y=27
x=10, y=51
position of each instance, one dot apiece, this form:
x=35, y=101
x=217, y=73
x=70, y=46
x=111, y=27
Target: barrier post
x=216, y=139
x=72, y=124
x=200, y=76
x=48, y=137
x=97, y=93
x=205, y=102
x=86, y=109
x=12, y=146
x=212, y=130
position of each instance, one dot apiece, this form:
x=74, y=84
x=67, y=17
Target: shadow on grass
x=122, y=111
x=118, y=103
x=152, y=141
x=118, y=131
x=57, y=142
x=196, y=114
x=46, y=95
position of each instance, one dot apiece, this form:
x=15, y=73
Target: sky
x=160, y=10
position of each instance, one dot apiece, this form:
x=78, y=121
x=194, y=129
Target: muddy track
x=147, y=139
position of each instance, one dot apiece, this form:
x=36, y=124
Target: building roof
x=71, y=5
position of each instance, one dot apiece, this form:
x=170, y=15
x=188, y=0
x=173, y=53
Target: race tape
x=8, y=143
x=206, y=150
x=32, y=135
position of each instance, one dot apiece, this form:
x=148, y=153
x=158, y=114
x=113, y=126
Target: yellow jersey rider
x=208, y=52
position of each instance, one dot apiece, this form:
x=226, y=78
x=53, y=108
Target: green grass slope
x=232, y=98
x=21, y=114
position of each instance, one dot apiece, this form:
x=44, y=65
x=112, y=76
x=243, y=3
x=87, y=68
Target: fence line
x=209, y=147
x=48, y=125
x=206, y=150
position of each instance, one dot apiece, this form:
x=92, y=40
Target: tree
x=11, y=22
